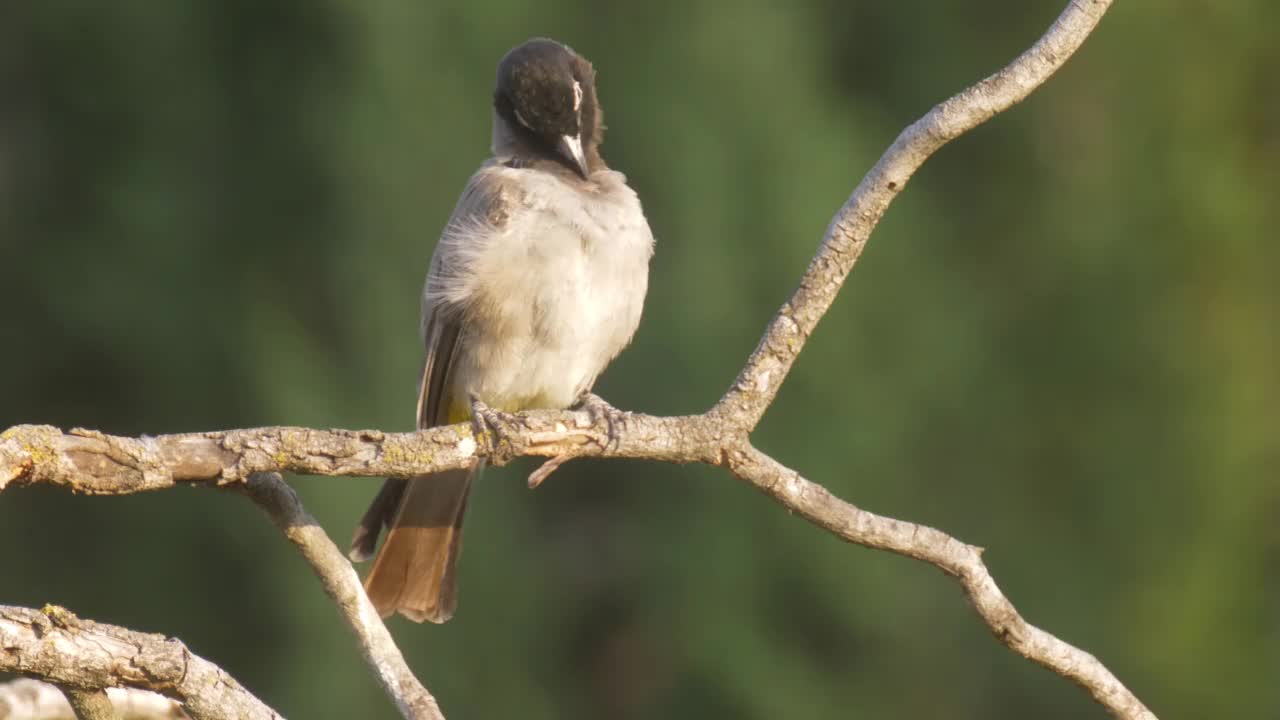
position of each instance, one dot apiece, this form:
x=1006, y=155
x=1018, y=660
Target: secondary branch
x=56, y=646
x=342, y=584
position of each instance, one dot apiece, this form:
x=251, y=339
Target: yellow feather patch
x=461, y=411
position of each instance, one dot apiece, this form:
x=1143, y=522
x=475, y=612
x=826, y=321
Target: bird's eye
x=577, y=96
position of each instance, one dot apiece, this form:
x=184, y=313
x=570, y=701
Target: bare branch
x=89, y=462
x=758, y=383
x=704, y=439
x=343, y=585
x=960, y=560
x=54, y=645
x=26, y=699
x=90, y=704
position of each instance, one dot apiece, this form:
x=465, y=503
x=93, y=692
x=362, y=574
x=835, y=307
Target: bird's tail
x=415, y=570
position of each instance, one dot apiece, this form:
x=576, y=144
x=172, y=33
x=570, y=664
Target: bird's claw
x=492, y=425
x=614, y=420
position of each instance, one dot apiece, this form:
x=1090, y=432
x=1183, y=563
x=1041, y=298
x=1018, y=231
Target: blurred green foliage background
x=1062, y=344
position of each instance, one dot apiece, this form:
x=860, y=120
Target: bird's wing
x=481, y=214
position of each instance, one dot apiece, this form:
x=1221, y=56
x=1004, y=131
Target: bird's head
x=546, y=93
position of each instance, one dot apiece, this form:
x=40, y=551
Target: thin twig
x=816, y=504
x=90, y=704
x=545, y=469
x=342, y=584
x=757, y=384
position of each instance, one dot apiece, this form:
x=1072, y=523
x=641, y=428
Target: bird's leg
x=492, y=425
x=615, y=420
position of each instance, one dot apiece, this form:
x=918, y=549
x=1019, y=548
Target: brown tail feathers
x=415, y=570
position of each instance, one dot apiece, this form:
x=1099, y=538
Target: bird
x=536, y=284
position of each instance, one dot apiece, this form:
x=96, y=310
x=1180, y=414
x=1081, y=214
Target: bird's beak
x=571, y=148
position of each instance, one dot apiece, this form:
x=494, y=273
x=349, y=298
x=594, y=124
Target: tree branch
x=757, y=385
x=816, y=504
x=90, y=462
x=54, y=645
x=342, y=584
x=553, y=434
x=90, y=704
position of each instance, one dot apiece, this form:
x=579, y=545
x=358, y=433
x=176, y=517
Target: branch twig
x=343, y=585
x=90, y=704
x=54, y=645
x=757, y=385
x=958, y=559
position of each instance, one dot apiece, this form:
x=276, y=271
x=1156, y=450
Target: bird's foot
x=601, y=412
x=493, y=426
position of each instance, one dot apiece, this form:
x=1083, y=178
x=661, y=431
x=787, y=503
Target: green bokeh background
x=1062, y=344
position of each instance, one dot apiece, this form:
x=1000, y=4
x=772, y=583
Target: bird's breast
x=564, y=287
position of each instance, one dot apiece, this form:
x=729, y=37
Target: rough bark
x=53, y=644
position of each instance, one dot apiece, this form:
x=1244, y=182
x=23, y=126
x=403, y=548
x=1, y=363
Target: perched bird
x=536, y=284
